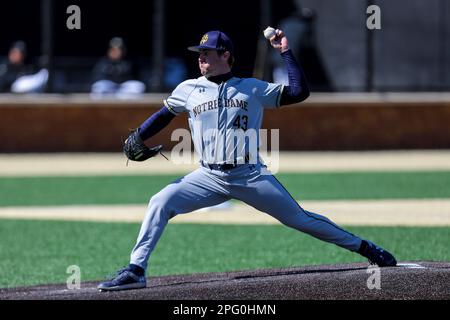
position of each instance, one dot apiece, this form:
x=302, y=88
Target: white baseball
x=269, y=33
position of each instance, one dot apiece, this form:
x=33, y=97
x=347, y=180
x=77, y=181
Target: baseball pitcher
x=223, y=112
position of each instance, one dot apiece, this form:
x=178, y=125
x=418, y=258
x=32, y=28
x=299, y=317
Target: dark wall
x=185, y=23
x=20, y=20
x=411, y=52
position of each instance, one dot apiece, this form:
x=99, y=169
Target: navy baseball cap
x=214, y=40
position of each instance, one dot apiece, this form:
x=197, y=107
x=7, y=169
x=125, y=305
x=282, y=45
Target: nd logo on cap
x=204, y=39
x=214, y=40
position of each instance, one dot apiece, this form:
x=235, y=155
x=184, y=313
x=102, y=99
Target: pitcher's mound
x=409, y=280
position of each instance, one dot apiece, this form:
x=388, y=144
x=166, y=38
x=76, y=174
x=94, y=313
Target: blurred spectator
x=18, y=77
x=299, y=28
x=113, y=75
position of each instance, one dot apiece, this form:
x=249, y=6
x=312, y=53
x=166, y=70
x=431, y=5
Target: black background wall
x=411, y=52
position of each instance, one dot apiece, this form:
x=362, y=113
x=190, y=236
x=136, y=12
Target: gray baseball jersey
x=225, y=119
x=216, y=113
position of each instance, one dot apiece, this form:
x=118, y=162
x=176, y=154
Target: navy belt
x=220, y=167
x=225, y=166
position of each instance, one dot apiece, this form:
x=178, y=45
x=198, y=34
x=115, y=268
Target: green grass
x=37, y=252
x=138, y=189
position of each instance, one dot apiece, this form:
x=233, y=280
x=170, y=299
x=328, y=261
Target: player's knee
x=161, y=203
x=295, y=224
x=299, y=221
x=158, y=200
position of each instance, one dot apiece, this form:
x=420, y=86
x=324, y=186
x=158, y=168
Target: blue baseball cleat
x=376, y=255
x=123, y=280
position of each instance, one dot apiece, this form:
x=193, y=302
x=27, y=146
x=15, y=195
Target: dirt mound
x=412, y=280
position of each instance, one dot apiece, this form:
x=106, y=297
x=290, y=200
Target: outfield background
x=369, y=149
x=58, y=210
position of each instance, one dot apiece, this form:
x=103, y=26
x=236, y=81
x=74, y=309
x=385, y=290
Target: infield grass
x=50, y=191
x=39, y=252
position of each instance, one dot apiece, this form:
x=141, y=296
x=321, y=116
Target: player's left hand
x=279, y=41
x=136, y=150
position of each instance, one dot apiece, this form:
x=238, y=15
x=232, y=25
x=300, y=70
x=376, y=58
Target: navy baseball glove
x=136, y=150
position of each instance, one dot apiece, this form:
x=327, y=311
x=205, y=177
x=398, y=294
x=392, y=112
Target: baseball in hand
x=269, y=33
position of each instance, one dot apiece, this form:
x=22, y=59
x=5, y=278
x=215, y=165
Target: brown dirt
x=325, y=282
x=70, y=164
x=423, y=212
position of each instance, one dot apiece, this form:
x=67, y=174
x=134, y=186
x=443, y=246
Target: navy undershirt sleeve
x=157, y=121
x=298, y=89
